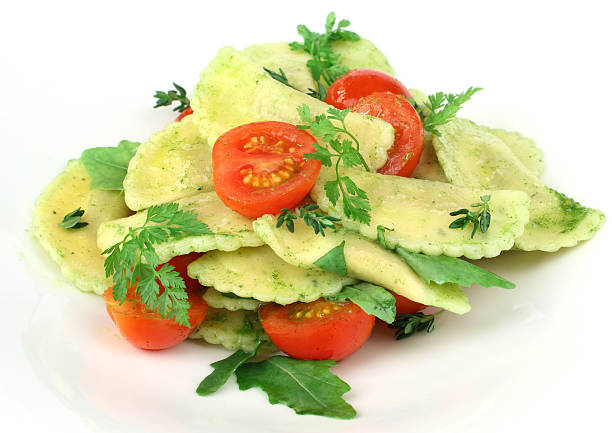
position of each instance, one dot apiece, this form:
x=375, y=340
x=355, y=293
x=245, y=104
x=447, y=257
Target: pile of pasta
x=257, y=262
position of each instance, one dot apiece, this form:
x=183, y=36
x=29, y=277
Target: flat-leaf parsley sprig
x=324, y=65
x=355, y=202
x=312, y=217
x=481, y=218
x=167, y=98
x=443, y=107
x=133, y=261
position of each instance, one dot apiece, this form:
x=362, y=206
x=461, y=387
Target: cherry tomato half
x=354, y=85
x=406, y=151
x=406, y=306
x=317, y=330
x=146, y=329
x=258, y=168
x=186, y=112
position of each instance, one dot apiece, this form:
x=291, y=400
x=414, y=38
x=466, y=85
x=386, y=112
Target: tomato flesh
x=317, y=330
x=404, y=305
x=186, y=112
x=258, y=168
x=407, y=148
x=146, y=329
x=354, y=85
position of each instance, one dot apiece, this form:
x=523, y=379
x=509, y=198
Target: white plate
x=532, y=358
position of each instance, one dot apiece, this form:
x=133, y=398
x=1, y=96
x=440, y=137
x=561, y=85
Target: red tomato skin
x=354, y=85
x=147, y=330
x=407, y=148
x=334, y=336
x=186, y=112
x=229, y=158
x=404, y=305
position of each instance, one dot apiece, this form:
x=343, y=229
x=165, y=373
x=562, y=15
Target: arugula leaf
x=311, y=216
x=324, y=65
x=72, y=220
x=167, y=98
x=107, y=166
x=333, y=261
x=407, y=325
x=443, y=107
x=133, y=262
x=372, y=299
x=308, y=387
x=355, y=202
x=444, y=269
x=223, y=370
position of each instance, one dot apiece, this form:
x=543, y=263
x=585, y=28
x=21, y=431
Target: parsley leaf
x=223, y=370
x=279, y=76
x=324, y=64
x=407, y=325
x=481, y=218
x=355, y=202
x=107, y=166
x=308, y=387
x=444, y=269
x=72, y=220
x=333, y=261
x=133, y=262
x=443, y=107
x=372, y=299
x=167, y=98
x=311, y=216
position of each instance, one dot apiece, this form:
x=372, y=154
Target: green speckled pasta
x=76, y=251
x=231, y=230
x=233, y=91
x=525, y=149
x=418, y=213
x=216, y=299
x=471, y=156
x=259, y=273
x=174, y=163
x=365, y=260
x=233, y=330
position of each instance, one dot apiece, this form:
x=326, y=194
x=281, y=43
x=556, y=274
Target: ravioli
x=259, y=273
x=365, y=260
x=233, y=90
x=230, y=229
x=174, y=163
x=417, y=211
x=234, y=330
x=217, y=299
x=473, y=157
x=352, y=54
x=75, y=250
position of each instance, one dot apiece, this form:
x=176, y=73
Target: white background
x=82, y=74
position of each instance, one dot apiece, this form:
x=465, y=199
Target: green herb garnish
x=481, y=218
x=407, y=325
x=167, y=98
x=354, y=200
x=333, y=261
x=443, y=107
x=311, y=216
x=107, y=166
x=72, y=220
x=222, y=370
x=324, y=65
x=133, y=261
x=444, y=269
x=373, y=300
x=308, y=387
x=279, y=76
